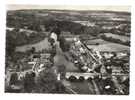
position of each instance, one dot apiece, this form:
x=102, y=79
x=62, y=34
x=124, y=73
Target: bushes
x=13, y=79
x=46, y=81
x=29, y=82
x=115, y=40
x=64, y=45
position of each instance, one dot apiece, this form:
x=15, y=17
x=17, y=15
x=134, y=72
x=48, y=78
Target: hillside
x=102, y=21
x=38, y=23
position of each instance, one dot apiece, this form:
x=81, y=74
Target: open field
x=43, y=44
x=115, y=36
x=110, y=47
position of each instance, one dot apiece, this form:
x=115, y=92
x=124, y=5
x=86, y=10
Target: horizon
x=12, y=7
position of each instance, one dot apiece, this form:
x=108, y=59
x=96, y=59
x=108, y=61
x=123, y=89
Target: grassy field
x=110, y=47
x=96, y=41
x=39, y=46
x=102, y=45
x=116, y=36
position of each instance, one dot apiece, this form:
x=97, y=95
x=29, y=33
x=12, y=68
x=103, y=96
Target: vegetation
x=115, y=40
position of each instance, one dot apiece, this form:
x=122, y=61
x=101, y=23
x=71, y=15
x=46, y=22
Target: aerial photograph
x=68, y=49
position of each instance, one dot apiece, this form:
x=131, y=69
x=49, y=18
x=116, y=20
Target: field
x=122, y=38
x=109, y=47
x=39, y=46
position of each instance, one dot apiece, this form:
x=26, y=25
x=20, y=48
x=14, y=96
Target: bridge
x=91, y=75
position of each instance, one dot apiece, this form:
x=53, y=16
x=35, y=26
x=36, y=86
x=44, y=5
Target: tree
x=10, y=44
x=46, y=81
x=33, y=49
x=29, y=82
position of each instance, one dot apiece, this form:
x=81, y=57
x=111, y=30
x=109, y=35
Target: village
x=66, y=57
x=88, y=65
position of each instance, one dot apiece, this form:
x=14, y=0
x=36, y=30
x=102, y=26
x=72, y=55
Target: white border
x=72, y=2
x=63, y=2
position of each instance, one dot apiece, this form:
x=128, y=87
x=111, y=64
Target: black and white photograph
x=68, y=49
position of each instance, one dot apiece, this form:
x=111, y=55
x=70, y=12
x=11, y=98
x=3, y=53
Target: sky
x=69, y=7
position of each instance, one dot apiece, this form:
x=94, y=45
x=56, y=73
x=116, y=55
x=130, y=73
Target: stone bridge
x=91, y=75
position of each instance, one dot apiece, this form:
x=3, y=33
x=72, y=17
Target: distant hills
x=75, y=22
